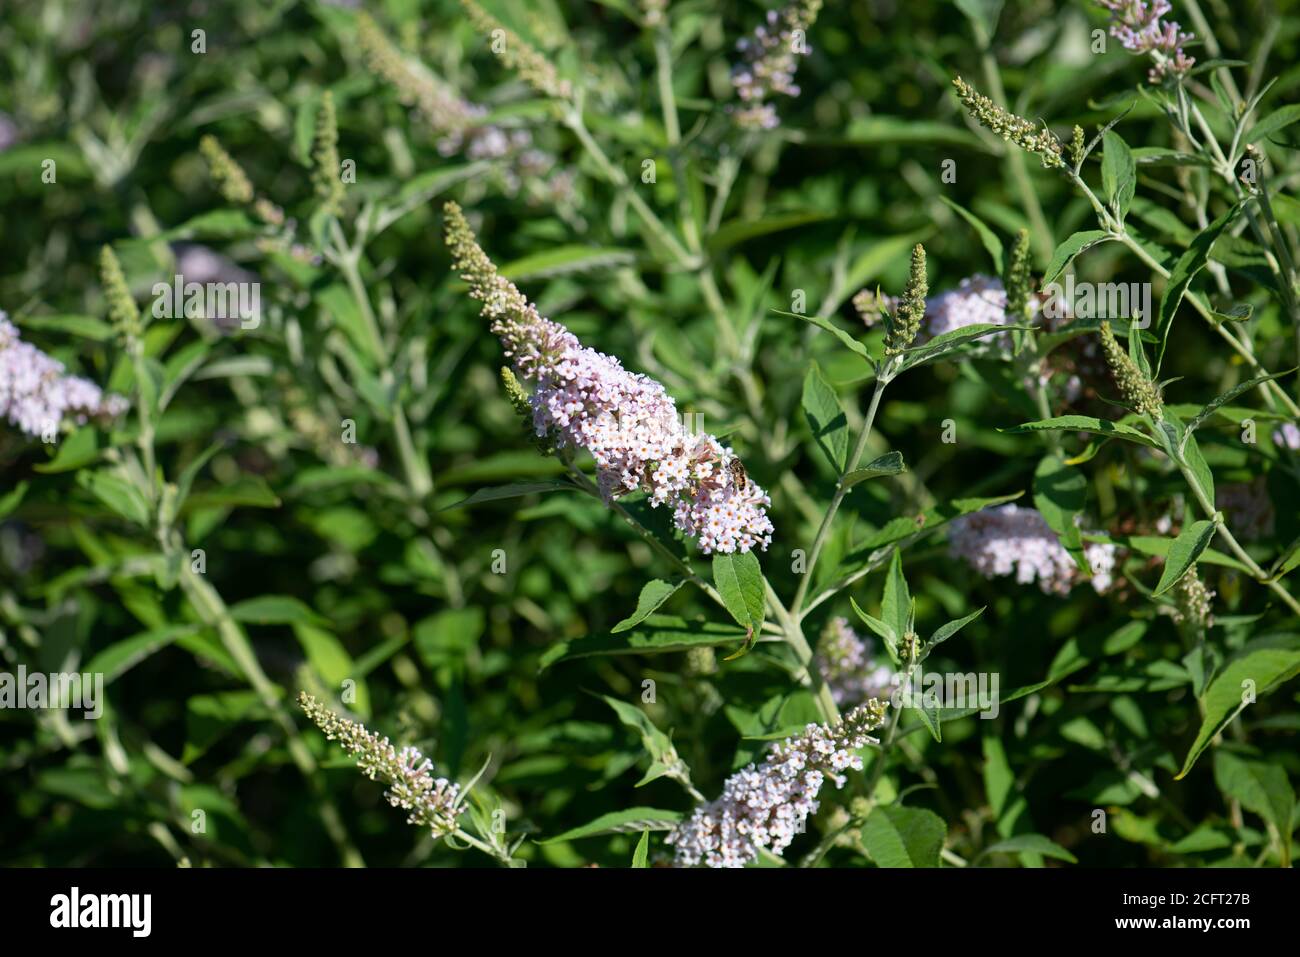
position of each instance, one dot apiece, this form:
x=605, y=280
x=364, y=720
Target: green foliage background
x=335, y=571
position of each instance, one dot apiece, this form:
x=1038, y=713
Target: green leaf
x=739, y=580
x=1032, y=844
x=653, y=594
x=628, y=821
x=664, y=759
x=948, y=342
x=641, y=856
x=853, y=344
x=87, y=327
x=989, y=238
x=826, y=418
x=891, y=463
x=78, y=449
x=274, y=610
x=1215, y=404
x=1189, y=264
x=1261, y=788
x=983, y=15
x=883, y=629
x=931, y=716
x=658, y=634
x=12, y=499
x=1183, y=553
x=118, y=494
x=180, y=367
x=249, y=490
x=1060, y=494
x=1086, y=423
x=896, y=602
x=1273, y=123
x=565, y=260
x=947, y=630
x=1071, y=247
x=1118, y=173
x=897, y=836
x=738, y=231
x=513, y=490
x=1258, y=668
x=120, y=657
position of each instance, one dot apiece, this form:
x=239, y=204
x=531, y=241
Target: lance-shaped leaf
x=657, y=635
x=826, y=418
x=1118, y=173
x=739, y=581
x=1216, y=404
x=1258, y=668
x=947, y=630
x=854, y=345
x=1071, y=247
x=942, y=346
x=1060, y=493
x=628, y=821
x=891, y=463
x=1184, y=552
x=1189, y=264
x=664, y=760
x=1086, y=423
x=653, y=594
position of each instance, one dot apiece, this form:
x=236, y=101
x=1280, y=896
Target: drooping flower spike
x=585, y=399
x=766, y=805
x=435, y=803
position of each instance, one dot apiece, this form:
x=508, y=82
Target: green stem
x=573, y=120
x=796, y=606
x=213, y=611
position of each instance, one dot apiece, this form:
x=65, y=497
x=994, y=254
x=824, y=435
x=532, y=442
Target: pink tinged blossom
x=585, y=399
x=977, y=299
x=1138, y=27
x=849, y=668
x=770, y=57
x=1011, y=540
x=767, y=805
x=1288, y=434
x=35, y=394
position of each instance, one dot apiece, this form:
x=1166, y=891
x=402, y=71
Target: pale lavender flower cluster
x=848, y=667
x=1288, y=434
x=1010, y=539
x=976, y=299
x=434, y=803
x=586, y=399
x=766, y=805
x=771, y=57
x=1137, y=25
x=37, y=397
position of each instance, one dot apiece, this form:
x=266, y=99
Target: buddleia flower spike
x=1026, y=134
x=435, y=803
x=905, y=322
x=584, y=399
x=766, y=805
x=1134, y=385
